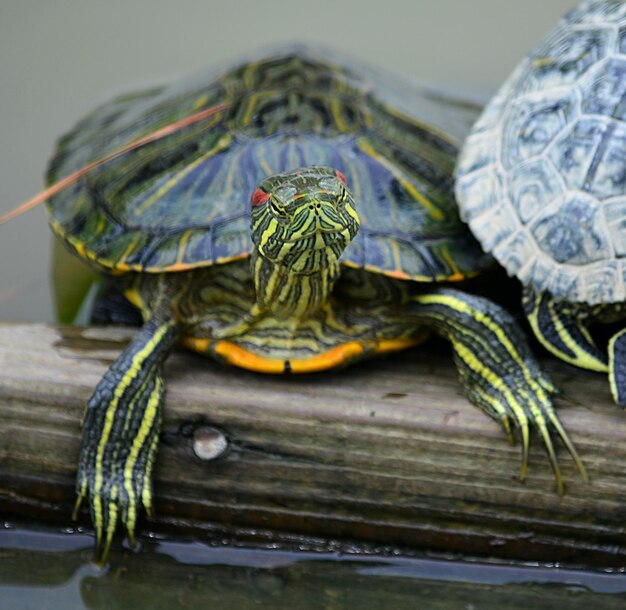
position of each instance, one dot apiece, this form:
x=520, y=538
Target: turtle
x=306, y=222
x=541, y=181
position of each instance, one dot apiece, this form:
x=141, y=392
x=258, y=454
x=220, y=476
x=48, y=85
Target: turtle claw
x=105, y=529
x=109, y=507
x=524, y=403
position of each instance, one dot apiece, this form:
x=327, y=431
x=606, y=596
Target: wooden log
x=389, y=452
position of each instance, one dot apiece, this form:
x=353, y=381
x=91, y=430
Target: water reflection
x=46, y=569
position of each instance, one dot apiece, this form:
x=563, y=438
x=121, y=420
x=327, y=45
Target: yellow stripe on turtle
x=222, y=144
x=368, y=149
x=128, y=378
x=139, y=440
x=582, y=358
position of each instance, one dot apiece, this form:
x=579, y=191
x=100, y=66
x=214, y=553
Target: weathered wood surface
x=388, y=452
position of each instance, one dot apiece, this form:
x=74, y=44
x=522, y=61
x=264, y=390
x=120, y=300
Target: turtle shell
x=542, y=178
x=183, y=201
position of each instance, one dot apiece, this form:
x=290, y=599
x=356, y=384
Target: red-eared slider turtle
x=238, y=236
x=542, y=184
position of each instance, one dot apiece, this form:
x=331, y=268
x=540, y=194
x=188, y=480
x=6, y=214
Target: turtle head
x=303, y=219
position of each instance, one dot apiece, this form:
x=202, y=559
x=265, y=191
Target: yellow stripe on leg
x=146, y=493
x=110, y=530
x=582, y=358
x=150, y=415
x=130, y=375
x=472, y=362
x=482, y=318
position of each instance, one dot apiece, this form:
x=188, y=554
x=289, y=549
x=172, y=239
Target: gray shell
x=542, y=177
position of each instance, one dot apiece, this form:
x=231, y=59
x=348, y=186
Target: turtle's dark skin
x=306, y=224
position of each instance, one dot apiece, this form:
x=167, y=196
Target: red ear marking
x=259, y=197
x=341, y=177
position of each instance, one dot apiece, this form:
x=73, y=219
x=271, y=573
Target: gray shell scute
x=604, y=93
x=533, y=123
x=601, y=282
x=622, y=40
x=615, y=214
x=574, y=153
x=540, y=271
x=573, y=231
x=484, y=153
x=545, y=279
x=565, y=57
x=566, y=281
x=516, y=252
x=532, y=185
x=607, y=175
x=483, y=190
x=500, y=228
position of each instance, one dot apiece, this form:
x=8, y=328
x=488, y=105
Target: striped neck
x=288, y=294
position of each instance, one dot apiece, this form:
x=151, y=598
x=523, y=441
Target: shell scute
x=604, y=282
x=615, y=214
x=573, y=231
x=482, y=190
x=517, y=251
x=566, y=56
x=603, y=92
x=532, y=125
x=532, y=185
x=607, y=176
x=574, y=153
x=485, y=153
x=622, y=40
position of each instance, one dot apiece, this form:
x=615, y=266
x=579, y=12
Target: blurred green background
x=59, y=59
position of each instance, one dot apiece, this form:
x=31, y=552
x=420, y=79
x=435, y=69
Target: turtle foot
x=521, y=402
x=113, y=498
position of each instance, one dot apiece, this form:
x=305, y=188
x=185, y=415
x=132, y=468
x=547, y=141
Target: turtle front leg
x=120, y=434
x=497, y=368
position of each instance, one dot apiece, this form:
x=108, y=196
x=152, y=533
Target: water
x=43, y=569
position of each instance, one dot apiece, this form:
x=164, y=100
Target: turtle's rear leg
x=497, y=368
x=121, y=431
